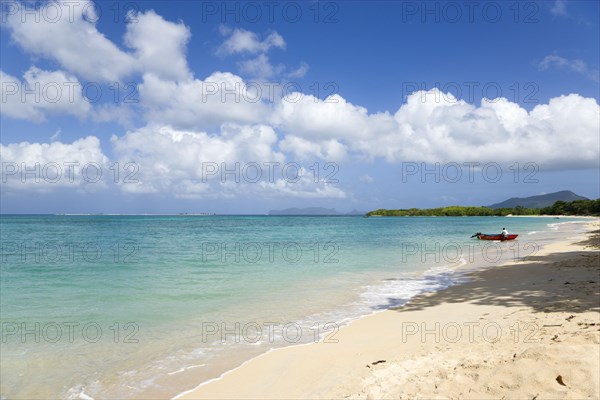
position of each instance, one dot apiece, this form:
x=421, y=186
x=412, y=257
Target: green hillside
x=540, y=201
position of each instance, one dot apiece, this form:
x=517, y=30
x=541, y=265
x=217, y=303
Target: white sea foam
x=554, y=226
x=78, y=393
x=399, y=291
x=185, y=369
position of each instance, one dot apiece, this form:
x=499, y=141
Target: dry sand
x=529, y=330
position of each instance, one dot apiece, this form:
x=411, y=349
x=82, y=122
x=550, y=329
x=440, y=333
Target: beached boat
x=484, y=236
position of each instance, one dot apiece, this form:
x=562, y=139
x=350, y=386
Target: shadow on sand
x=557, y=282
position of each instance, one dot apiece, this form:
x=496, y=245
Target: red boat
x=483, y=236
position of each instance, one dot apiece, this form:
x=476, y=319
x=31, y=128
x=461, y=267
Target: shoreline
x=255, y=377
x=383, y=265
x=553, y=215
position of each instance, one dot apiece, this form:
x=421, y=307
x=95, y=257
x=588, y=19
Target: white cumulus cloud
x=42, y=167
x=169, y=158
x=71, y=38
x=160, y=46
x=435, y=127
x=302, y=187
x=200, y=104
x=240, y=160
x=256, y=63
x=244, y=41
x=575, y=65
x=260, y=67
x=41, y=93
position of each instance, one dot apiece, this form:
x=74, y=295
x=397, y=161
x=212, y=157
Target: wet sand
x=527, y=330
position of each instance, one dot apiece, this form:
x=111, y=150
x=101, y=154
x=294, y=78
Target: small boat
x=485, y=236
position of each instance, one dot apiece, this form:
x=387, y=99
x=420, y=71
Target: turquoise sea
x=149, y=306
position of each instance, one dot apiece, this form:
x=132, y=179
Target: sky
x=245, y=107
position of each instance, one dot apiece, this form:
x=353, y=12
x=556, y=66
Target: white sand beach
x=527, y=330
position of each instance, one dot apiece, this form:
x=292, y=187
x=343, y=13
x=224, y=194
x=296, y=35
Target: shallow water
x=124, y=306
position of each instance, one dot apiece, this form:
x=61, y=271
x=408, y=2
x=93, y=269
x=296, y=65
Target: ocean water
x=149, y=306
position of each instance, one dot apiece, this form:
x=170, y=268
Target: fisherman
x=504, y=233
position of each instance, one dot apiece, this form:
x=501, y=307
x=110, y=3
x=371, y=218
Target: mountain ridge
x=538, y=201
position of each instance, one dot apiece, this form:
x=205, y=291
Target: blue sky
x=372, y=95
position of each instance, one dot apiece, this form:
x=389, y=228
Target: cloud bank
x=223, y=118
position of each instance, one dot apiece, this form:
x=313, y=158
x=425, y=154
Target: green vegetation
x=539, y=201
x=577, y=207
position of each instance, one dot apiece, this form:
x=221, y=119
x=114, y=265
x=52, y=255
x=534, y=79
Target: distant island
x=539, y=201
x=313, y=211
x=542, y=206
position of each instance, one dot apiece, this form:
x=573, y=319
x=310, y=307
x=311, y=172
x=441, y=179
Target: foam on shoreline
x=390, y=289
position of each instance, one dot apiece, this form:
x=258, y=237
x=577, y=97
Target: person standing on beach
x=504, y=233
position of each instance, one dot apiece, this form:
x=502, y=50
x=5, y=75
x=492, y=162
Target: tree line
x=577, y=207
